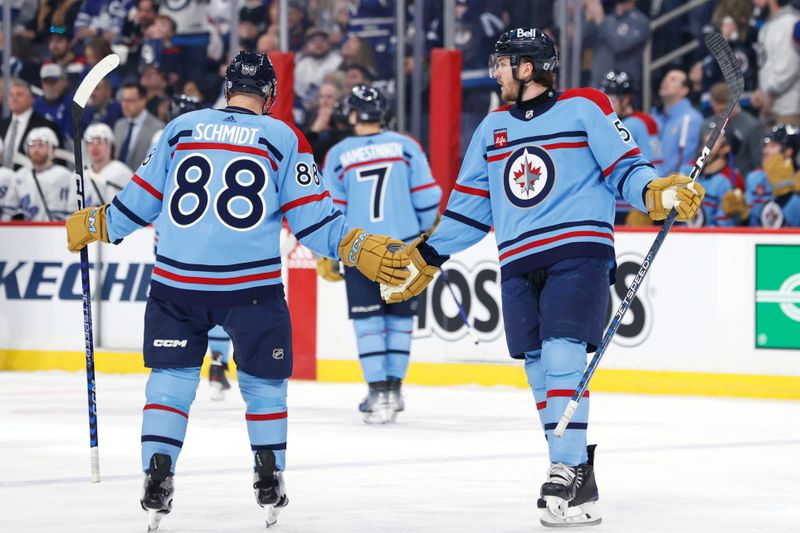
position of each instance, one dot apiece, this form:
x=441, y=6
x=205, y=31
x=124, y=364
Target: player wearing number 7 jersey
x=381, y=181
x=219, y=182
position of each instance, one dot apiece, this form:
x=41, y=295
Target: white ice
x=460, y=459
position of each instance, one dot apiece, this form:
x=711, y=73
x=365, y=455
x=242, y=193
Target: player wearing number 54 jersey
x=543, y=171
x=219, y=182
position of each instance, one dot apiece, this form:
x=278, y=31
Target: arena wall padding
x=445, y=118
x=283, y=62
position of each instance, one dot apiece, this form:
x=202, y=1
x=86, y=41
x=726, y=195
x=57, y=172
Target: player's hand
x=328, y=269
x=371, y=255
x=780, y=174
x=85, y=226
x=421, y=276
x=734, y=204
x=677, y=191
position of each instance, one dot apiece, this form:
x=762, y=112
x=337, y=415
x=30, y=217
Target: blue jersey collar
x=237, y=109
x=530, y=109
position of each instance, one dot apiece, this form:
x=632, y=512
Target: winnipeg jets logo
x=529, y=176
x=249, y=70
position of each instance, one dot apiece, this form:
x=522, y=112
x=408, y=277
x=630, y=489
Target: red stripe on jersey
x=302, y=143
x=541, y=405
x=548, y=240
x=629, y=153
x=166, y=408
x=339, y=202
x=649, y=122
x=371, y=162
x=564, y=393
x=502, y=108
x=556, y=146
x=600, y=99
x=497, y=157
x=146, y=186
x=216, y=281
x=270, y=416
x=304, y=200
x=471, y=190
x=426, y=186
x=230, y=148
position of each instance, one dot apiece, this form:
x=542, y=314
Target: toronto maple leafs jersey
x=219, y=181
x=45, y=195
x=644, y=130
x=383, y=183
x=545, y=175
x=711, y=213
x=9, y=201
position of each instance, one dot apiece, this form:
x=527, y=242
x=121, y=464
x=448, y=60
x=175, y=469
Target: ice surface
x=460, y=459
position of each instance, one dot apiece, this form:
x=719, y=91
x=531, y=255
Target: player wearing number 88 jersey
x=219, y=182
x=381, y=181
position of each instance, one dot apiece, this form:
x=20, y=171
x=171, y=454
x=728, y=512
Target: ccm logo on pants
x=168, y=343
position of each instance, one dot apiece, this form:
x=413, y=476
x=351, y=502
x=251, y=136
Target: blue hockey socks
x=266, y=416
x=535, y=373
x=371, y=341
x=398, y=345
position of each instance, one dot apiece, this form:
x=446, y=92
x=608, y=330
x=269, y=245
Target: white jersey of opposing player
x=102, y=186
x=56, y=185
x=9, y=201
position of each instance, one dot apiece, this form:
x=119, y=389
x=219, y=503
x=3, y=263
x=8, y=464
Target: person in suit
x=15, y=128
x=133, y=133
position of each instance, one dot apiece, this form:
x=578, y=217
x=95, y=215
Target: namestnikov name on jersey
x=220, y=182
x=545, y=175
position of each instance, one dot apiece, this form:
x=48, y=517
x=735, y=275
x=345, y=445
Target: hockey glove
x=734, y=204
x=637, y=218
x=421, y=276
x=675, y=191
x=85, y=226
x=780, y=174
x=371, y=256
x=328, y=269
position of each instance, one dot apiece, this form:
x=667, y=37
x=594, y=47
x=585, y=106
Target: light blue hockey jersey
x=711, y=213
x=766, y=210
x=383, y=183
x=219, y=181
x=645, y=134
x=545, y=176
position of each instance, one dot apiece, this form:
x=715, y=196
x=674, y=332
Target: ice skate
x=396, y=402
x=217, y=378
x=158, y=489
x=268, y=486
x=569, y=496
x=376, y=407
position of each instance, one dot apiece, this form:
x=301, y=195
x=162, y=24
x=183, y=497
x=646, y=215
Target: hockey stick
x=41, y=195
x=460, y=308
x=733, y=77
x=85, y=90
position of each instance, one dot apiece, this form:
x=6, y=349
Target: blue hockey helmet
x=617, y=83
x=182, y=103
x=530, y=43
x=368, y=102
x=251, y=72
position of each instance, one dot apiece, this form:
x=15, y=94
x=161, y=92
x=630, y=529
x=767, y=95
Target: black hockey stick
x=41, y=195
x=461, y=311
x=733, y=77
x=85, y=90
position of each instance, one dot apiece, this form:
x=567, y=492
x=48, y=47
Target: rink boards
x=718, y=314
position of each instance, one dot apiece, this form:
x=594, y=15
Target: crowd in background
x=180, y=47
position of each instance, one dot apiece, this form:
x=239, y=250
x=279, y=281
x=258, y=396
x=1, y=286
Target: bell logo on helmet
x=521, y=32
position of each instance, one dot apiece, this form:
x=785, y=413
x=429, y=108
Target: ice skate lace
x=561, y=474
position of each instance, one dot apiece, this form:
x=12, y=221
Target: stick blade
x=98, y=72
x=728, y=63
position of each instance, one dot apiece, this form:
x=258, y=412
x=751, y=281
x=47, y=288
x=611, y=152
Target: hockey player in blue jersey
x=644, y=130
x=543, y=171
x=220, y=181
x=382, y=182
x=772, y=192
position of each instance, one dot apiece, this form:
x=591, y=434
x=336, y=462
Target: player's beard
x=508, y=93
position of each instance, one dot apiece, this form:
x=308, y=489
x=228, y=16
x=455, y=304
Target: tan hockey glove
x=734, y=204
x=421, y=276
x=371, y=256
x=780, y=174
x=85, y=226
x=675, y=191
x=637, y=218
x=328, y=269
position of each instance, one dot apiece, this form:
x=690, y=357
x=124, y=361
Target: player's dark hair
x=546, y=79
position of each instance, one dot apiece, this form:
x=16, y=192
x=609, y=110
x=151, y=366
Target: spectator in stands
x=102, y=106
x=744, y=52
x=55, y=103
x=619, y=44
x=52, y=13
x=134, y=29
x=134, y=132
x=44, y=191
x=328, y=124
x=93, y=20
x=158, y=49
x=154, y=80
x=317, y=60
x=267, y=43
x=298, y=22
x=58, y=45
x=106, y=176
x=23, y=119
x=24, y=61
x=744, y=131
x=357, y=75
x=373, y=21
x=192, y=90
x=779, y=72
x=191, y=36
x=356, y=51
x=676, y=111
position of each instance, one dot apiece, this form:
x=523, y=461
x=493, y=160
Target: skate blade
x=559, y=514
x=217, y=391
x=376, y=417
x=154, y=519
x=272, y=511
